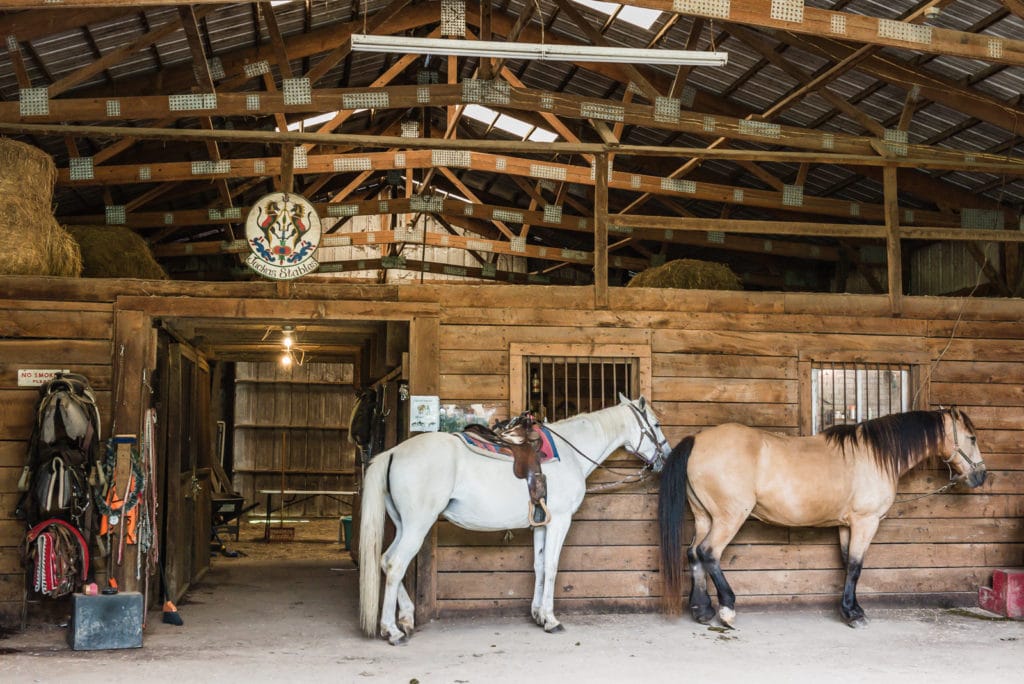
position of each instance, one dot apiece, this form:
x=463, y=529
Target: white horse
x=434, y=474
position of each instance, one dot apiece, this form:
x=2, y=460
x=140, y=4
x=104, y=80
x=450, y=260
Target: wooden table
x=298, y=496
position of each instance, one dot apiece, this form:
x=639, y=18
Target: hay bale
x=115, y=252
x=27, y=172
x=38, y=246
x=690, y=274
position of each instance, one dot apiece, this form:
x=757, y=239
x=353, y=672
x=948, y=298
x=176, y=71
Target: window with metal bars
x=846, y=393
x=558, y=387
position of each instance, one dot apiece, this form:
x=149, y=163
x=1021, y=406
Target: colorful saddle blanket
x=548, y=450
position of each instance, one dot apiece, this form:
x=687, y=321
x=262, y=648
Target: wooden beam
x=596, y=38
x=117, y=56
x=893, y=253
x=371, y=25
x=601, y=232
x=18, y=62
x=683, y=72
x=858, y=28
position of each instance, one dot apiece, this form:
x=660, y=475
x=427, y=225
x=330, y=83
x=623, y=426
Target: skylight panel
x=484, y=115
x=305, y=124
x=637, y=16
x=542, y=135
x=509, y=124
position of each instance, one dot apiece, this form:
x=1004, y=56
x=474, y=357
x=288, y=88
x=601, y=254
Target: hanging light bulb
x=286, y=337
x=286, y=359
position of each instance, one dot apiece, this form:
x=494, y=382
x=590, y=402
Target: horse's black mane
x=899, y=441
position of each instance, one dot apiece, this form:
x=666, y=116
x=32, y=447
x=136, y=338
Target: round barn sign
x=283, y=232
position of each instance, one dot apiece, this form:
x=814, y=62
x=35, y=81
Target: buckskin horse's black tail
x=671, y=509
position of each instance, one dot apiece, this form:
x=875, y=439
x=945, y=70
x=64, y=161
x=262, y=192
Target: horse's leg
x=553, y=540
x=539, y=536
x=844, y=542
x=406, y=611
x=862, y=531
x=408, y=540
x=700, y=601
x=709, y=552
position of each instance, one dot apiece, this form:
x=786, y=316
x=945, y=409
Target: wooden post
x=287, y=168
x=894, y=256
x=425, y=379
x=134, y=355
x=601, y=231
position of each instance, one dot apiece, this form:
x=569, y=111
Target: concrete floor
x=259, y=619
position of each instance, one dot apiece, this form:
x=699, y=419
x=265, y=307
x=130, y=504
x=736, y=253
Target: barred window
x=556, y=383
x=846, y=393
x=563, y=386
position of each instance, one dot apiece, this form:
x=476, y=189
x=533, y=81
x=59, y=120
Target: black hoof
x=557, y=629
x=704, y=616
x=857, y=623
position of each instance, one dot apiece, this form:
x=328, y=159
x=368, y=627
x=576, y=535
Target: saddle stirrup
x=541, y=507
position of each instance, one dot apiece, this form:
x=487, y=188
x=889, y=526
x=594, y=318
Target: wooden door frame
x=135, y=360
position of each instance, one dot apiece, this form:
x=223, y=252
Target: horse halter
x=954, y=416
x=646, y=430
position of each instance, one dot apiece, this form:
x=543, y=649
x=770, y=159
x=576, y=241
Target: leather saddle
x=522, y=438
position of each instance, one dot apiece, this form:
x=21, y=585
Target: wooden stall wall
x=39, y=334
x=745, y=357
x=291, y=432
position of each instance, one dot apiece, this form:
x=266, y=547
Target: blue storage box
x=104, y=622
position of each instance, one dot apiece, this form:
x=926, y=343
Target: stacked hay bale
x=690, y=274
x=115, y=252
x=35, y=244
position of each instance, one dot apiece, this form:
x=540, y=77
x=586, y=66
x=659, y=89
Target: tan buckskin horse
x=844, y=477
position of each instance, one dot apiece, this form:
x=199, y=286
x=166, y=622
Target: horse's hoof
x=399, y=640
x=557, y=629
x=406, y=628
x=727, y=616
x=858, y=623
x=704, y=617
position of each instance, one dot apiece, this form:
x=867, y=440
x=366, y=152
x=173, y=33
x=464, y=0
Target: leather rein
x=646, y=431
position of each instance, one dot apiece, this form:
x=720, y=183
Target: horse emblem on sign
x=283, y=233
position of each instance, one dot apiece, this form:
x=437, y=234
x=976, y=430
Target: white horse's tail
x=371, y=535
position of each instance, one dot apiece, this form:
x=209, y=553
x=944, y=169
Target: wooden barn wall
x=301, y=412
x=35, y=333
x=719, y=357
x=715, y=357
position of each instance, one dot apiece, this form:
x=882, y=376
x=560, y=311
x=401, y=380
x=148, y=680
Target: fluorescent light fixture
x=404, y=45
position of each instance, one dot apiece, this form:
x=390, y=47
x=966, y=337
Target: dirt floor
x=288, y=611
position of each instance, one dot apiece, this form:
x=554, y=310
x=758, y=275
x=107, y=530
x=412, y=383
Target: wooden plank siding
x=40, y=333
x=714, y=357
x=310, y=406
x=721, y=357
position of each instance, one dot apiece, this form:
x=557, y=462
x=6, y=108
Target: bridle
x=646, y=431
x=954, y=416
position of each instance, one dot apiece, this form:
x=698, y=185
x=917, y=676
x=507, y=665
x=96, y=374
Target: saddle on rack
x=522, y=438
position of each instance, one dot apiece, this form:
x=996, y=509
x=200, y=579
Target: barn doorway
x=253, y=420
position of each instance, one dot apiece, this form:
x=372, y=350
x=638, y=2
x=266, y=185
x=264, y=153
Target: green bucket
x=346, y=524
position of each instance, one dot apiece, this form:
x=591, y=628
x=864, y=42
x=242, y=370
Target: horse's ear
x=623, y=399
x=642, y=402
